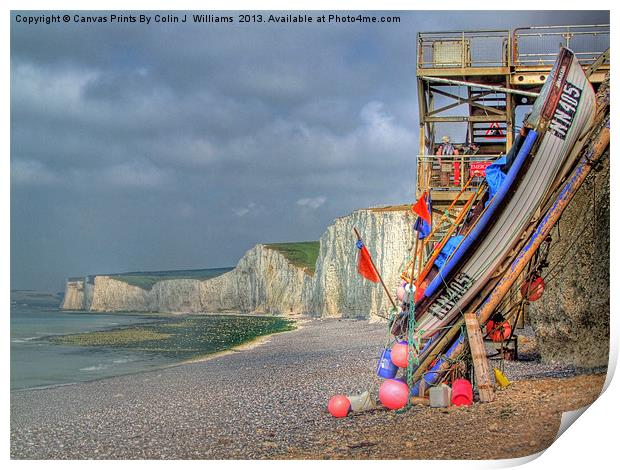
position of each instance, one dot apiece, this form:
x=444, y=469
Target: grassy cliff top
x=146, y=280
x=302, y=254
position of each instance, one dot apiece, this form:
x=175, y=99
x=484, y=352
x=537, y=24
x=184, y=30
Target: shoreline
x=243, y=347
x=248, y=345
x=268, y=401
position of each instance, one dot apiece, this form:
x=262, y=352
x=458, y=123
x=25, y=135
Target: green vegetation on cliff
x=146, y=280
x=302, y=254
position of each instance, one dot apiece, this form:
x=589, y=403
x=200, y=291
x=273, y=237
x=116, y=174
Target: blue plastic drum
x=386, y=368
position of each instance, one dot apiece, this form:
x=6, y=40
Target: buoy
x=419, y=293
x=462, y=393
x=533, y=290
x=393, y=394
x=339, y=406
x=500, y=378
x=498, y=331
x=400, y=354
x=401, y=292
x=386, y=368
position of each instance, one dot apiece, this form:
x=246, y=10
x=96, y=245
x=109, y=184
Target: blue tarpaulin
x=495, y=177
x=447, y=250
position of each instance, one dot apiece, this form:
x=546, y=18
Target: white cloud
x=312, y=202
x=243, y=211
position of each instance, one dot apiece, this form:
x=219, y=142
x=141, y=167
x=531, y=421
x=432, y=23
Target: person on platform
x=445, y=168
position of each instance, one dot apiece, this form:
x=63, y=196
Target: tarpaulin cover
x=447, y=250
x=495, y=177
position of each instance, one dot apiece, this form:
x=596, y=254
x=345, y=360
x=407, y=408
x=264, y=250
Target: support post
x=479, y=358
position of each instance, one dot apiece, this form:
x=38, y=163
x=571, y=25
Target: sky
x=175, y=146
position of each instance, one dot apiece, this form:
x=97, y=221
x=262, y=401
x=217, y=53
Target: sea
x=38, y=362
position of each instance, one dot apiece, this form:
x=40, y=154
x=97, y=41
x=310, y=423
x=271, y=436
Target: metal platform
x=515, y=64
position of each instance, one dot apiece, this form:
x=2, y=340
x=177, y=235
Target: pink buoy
x=401, y=292
x=400, y=354
x=393, y=394
x=462, y=393
x=339, y=406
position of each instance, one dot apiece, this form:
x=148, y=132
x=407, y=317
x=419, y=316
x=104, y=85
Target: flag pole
x=359, y=239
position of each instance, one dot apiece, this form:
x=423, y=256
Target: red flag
x=421, y=209
x=364, y=264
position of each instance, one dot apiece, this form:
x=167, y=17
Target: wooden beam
x=479, y=358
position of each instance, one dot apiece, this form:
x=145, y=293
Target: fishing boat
x=563, y=111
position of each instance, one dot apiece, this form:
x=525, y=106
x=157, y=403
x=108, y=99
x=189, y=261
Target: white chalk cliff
x=265, y=281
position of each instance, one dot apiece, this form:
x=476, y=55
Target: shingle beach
x=270, y=402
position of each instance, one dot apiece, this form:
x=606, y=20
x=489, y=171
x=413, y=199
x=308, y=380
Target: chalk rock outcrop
x=265, y=281
x=338, y=290
x=74, y=295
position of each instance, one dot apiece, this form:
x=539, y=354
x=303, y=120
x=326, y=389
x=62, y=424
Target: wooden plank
x=479, y=358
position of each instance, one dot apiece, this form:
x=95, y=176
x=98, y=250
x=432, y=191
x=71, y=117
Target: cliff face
x=74, y=295
x=264, y=281
x=338, y=290
x=571, y=320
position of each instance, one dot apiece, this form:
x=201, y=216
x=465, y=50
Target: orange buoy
x=498, y=331
x=339, y=406
x=400, y=354
x=393, y=394
x=533, y=290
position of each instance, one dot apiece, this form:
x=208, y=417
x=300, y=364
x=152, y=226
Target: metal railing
x=463, y=49
x=539, y=45
x=536, y=45
x=452, y=172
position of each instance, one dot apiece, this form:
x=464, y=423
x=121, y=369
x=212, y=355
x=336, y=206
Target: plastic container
x=462, y=393
x=386, y=368
x=440, y=396
x=361, y=402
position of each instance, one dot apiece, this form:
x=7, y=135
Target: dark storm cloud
x=173, y=146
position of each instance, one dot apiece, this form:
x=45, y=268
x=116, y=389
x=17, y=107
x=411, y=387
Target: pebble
x=254, y=404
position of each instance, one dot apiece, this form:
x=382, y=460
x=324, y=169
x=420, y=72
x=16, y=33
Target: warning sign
x=495, y=132
x=478, y=168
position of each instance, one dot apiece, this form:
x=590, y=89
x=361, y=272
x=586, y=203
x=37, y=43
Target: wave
x=24, y=340
x=124, y=360
x=92, y=368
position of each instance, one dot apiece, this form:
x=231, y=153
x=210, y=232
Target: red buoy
x=339, y=406
x=394, y=394
x=400, y=354
x=533, y=290
x=499, y=331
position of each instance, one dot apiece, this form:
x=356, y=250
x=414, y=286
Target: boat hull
x=562, y=113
